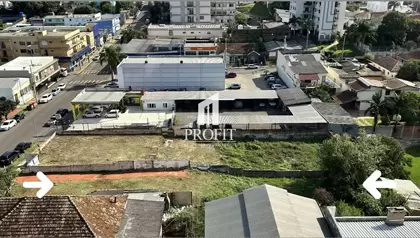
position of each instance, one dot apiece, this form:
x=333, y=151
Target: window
x=23, y=51
x=171, y=32
x=28, y=43
x=184, y=32
x=201, y=17
x=190, y=53
x=230, y=4
x=21, y=43
x=192, y=32
x=165, y=105
x=151, y=105
x=203, y=53
x=208, y=33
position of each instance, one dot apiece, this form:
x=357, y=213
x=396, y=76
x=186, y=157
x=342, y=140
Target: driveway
x=249, y=79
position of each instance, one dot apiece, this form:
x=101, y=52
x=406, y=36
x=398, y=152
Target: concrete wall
x=116, y=131
x=121, y=166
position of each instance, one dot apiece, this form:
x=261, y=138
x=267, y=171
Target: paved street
x=33, y=123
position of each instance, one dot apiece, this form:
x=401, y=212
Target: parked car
x=62, y=112
x=271, y=79
x=278, y=86
x=231, y=75
x=8, y=124
x=202, y=89
x=62, y=86
x=114, y=113
x=252, y=66
x=8, y=157
x=111, y=85
x=52, y=121
x=235, y=86
x=22, y=146
x=19, y=117
x=96, y=58
x=63, y=72
x=55, y=91
x=46, y=98
x=96, y=109
x=91, y=114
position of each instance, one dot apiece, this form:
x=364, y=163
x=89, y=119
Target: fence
x=115, y=131
x=225, y=169
x=122, y=166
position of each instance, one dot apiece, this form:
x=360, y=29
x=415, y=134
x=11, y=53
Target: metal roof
x=98, y=97
x=333, y=113
x=359, y=227
x=172, y=60
x=292, y=96
x=202, y=95
x=264, y=211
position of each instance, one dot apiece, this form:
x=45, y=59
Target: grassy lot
x=64, y=150
x=365, y=121
x=280, y=155
x=414, y=153
x=245, y=8
x=204, y=185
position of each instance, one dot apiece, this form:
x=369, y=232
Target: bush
x=391, y=198
x=323, y=197
x=369, y=205
x=344, y=209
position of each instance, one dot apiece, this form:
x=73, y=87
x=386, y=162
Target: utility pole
x=32, y=82
x=344, y=43
x=307, y=38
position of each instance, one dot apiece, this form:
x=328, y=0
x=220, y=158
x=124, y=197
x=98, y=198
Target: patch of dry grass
x=66, y=150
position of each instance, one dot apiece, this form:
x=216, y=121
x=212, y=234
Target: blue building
x=109, y=25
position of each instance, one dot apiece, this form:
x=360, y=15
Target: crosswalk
x=87, y=81
x=95, y=72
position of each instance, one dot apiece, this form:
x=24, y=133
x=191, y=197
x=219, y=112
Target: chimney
x=113, y=199
x=395, y=216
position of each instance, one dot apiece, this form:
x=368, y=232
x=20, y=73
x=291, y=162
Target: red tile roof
x=303, y=77
x=410, y=55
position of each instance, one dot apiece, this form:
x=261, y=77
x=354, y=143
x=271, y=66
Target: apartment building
x=71, y=19
x=223, y=12
x=70, y=47
x=328, y=17
x=202, y=31
x=183, y=12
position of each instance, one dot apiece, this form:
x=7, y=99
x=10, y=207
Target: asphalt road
x=33, y=124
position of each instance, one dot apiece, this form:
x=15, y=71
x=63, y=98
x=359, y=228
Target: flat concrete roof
x=172, y=60
x=98, y=97
x=22, y=63
x=202, y=95
x=11, y=82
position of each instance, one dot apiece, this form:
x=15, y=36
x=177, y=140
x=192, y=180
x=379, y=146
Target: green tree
x=261, y=11
x=7, y=177
x=241, y=18
x=393, y=4
x=393, y=29
x=344, y=209
x=410, y=45
x=35, y=8
x=122, y=6
x=378, y=108
x=113, y=56
x=128, y=34
x=84, y=9
x=361, y=32
x=411, y=109
x=107, y=7
x=6, y=106
x=323, y=92
x=2, y=25
x=348, y=162
x=410, y=70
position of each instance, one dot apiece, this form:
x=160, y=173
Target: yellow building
x=70, y=47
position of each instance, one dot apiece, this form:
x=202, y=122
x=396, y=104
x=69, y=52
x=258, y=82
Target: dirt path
x=86, y=177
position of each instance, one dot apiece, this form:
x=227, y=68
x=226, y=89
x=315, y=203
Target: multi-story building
x=223, y=12
x=71, y=19
x=109, y=25
x=69, y=46
x=183, y=12
x=203, y=31
x=327, y=17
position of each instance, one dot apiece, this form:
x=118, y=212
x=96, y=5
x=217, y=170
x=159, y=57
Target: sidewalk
x=90, y=177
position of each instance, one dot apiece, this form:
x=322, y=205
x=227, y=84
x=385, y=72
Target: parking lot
x=249, y=79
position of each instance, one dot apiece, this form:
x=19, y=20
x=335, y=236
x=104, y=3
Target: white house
x=176, y=72
x=388, y=65
x=183, y=12
x=16, y=89
x=301, y=70
x=203, y=31
x=362, y=90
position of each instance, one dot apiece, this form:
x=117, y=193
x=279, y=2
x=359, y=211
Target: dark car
x=202, y=89
x=19, y=117
x=63, y=112
x=231, y=75
x=22, y=146
x=8, y=157
x=183, y=89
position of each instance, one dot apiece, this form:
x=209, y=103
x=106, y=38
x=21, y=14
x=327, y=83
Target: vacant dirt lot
x=65, y=150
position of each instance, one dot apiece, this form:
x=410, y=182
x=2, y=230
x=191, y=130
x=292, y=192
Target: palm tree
x=393, y=4
x=128, y=34
x=293, y=24
x=113, y=56
x=307, y=25
x=377, y=108
x=361, y=31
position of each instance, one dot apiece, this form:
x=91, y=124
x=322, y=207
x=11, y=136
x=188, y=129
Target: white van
x=63, y=72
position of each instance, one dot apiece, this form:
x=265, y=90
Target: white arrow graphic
x=45, y=184
x=372, y=184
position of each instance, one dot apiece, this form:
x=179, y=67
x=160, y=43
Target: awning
x=76, y=56
x=305, y=77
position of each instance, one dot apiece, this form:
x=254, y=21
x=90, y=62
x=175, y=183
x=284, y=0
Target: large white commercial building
x=183, y=12
x=328, y=17
x=154, y=72
x=198, y=31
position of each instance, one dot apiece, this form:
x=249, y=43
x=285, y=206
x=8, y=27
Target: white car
x=252, y=66
x=96, y=109
x=114, y=113
x=46, y=98
x=278, y=86
x=62, y=86
x=91, y=114
x=55, y=91
x=8, y=124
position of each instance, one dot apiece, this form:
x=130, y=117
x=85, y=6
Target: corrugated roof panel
x=378, y=229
